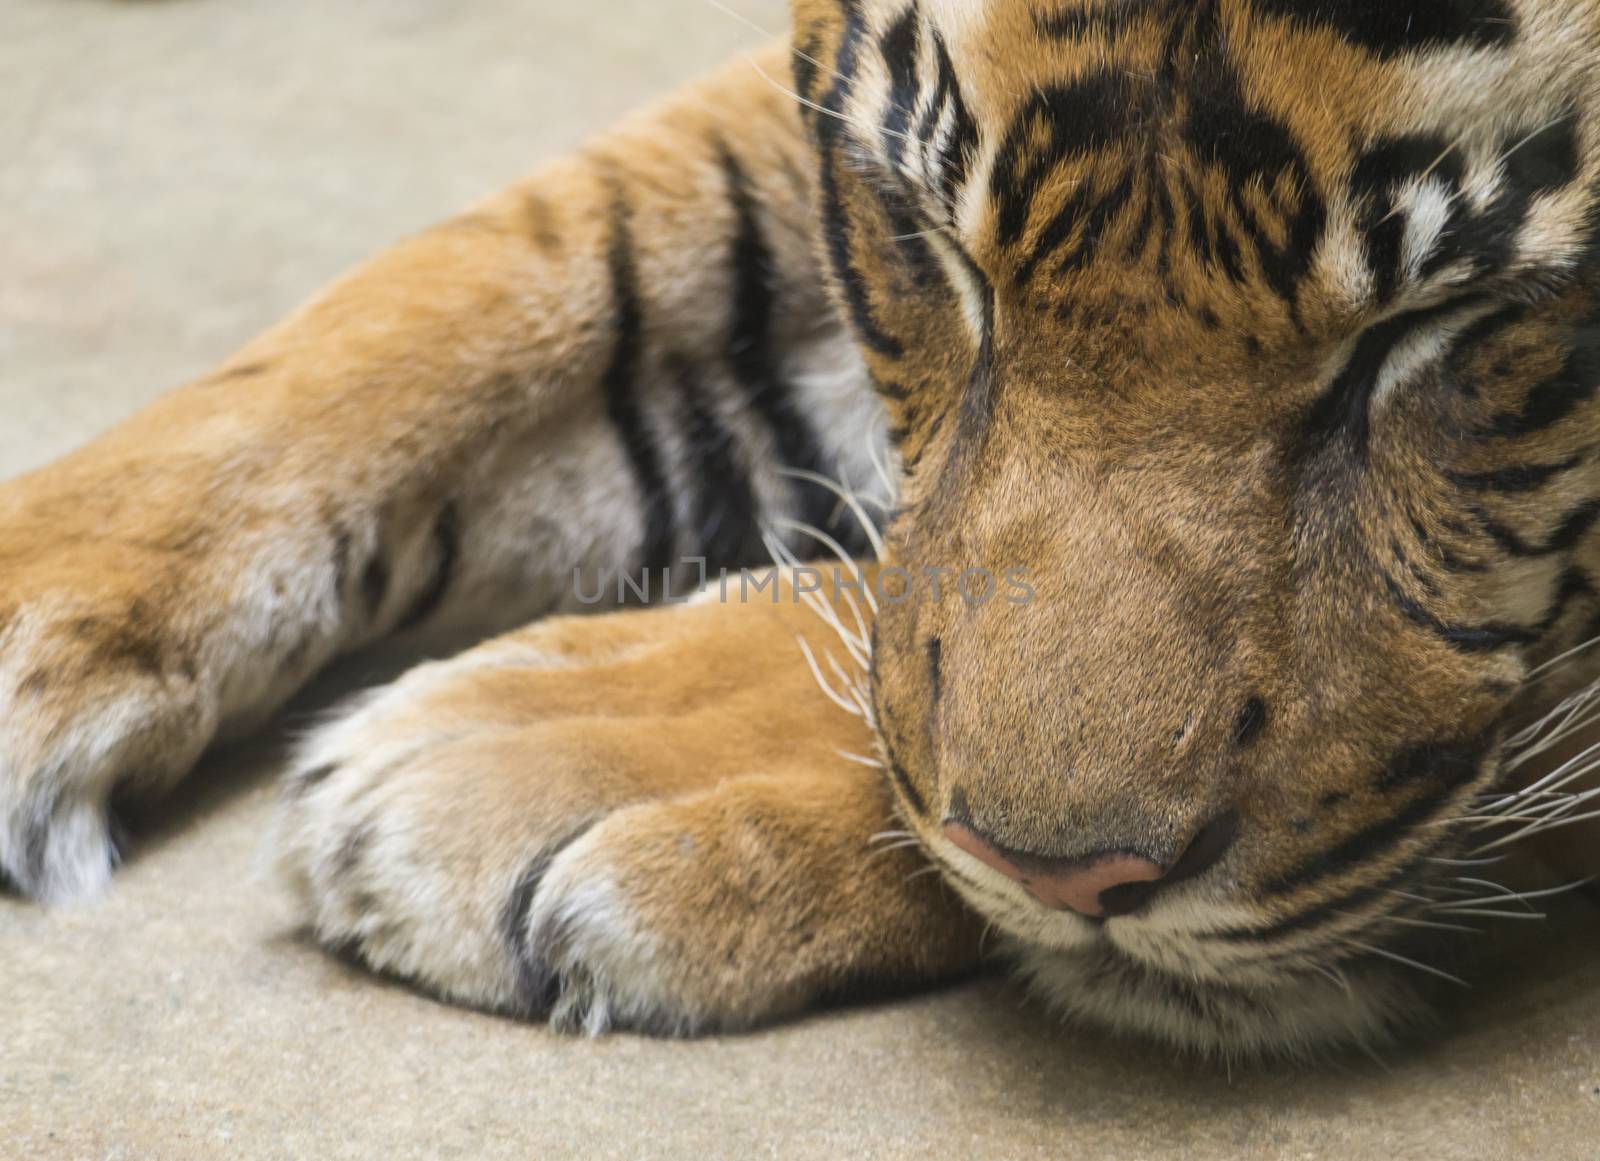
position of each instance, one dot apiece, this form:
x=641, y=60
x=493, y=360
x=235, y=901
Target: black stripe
x=1073, y=23
x=238, y=371
x=725, y=526
x=375, y=583
x=913, y=798
x=1139, y=236
x=537, y=987
x=1252, y=720
x=1544, y=161
x=620, y=386
x=897, y=772
x=1057, y=125
x=1388, y=163
x=1536, y=163
x=446, y=552
x=1574, y=585
x=1053, y=236
x=1512, y=481
x=1230, y=131
x=1450, y=762
x=313, y=777
x=835, y=215
x=341, y=562
x=1482, y=332
x=955, y=158
x=1389, y=28
x=1373, y=841
x=1337, y=908
x=899, y=49
x=1557, y=397
x=973, y=421
x=1096, y=224
x=755, y=362
x=1467, y=638
x=803, y=60
x=1574, y=526
x=1344, y=409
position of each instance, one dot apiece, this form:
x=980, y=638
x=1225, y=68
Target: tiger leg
x=557, y=822
x=602, y=368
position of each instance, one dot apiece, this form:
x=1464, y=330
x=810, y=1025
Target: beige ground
x=175, y=173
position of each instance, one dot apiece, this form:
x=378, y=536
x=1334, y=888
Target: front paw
x=560, y=824
x=407, y=847
x=515, y=867
x=102, y=692
x=708, y=912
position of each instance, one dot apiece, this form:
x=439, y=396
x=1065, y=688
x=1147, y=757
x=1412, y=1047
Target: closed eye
x=1386, y=356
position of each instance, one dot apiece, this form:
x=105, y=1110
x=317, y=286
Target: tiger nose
x=1101, y=886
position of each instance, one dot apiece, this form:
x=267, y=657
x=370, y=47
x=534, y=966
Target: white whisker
x=863, y=128
x=1400, y=959
x=816, y=671
x=1485, y=913
x=850, y=498
x=860, y=760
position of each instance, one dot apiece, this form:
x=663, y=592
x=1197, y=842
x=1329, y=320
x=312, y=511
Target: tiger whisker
x=1407, y=921
x=857, y=647
x=1541, y=826
x=839, y=672
x=816, y=671
x=1568, y=721
x=879, y=467
x=860, y=760
x=1539, y=672
x=1488, y=884
x=1396, y=957
x=825, y=111
x=879, y=852
x=1520, y=896
x=1408, y=896
x=850, y=498
x=983, y=937
x=1485, y=913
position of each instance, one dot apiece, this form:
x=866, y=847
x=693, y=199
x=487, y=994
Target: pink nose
x=1074, y=886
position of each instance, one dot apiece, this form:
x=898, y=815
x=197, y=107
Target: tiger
x=1159, y=436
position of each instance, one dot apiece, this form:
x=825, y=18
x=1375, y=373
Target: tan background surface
x=173, y=175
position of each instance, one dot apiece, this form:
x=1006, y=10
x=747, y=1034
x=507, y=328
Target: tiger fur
x=1258, y=335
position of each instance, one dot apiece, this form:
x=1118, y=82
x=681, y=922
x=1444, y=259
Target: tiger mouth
x=1370, y=970
x=1159, y=985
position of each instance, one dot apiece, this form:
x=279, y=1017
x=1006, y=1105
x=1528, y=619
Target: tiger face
x=1259, y=336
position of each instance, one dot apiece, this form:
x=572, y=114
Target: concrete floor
x=179, y=172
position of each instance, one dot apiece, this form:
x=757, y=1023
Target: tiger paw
x=106, y=689
x=560, y=823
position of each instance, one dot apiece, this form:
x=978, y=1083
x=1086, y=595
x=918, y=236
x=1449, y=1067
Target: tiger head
x=1241, y=358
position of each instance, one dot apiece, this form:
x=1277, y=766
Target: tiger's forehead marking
x=1391, y=28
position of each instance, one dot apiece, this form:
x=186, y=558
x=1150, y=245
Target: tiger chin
x=1195, y=404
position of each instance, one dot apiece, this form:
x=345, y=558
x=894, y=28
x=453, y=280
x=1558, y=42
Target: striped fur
x=1261, y=336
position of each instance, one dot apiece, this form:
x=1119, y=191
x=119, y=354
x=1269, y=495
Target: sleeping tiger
x=1192, y=403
